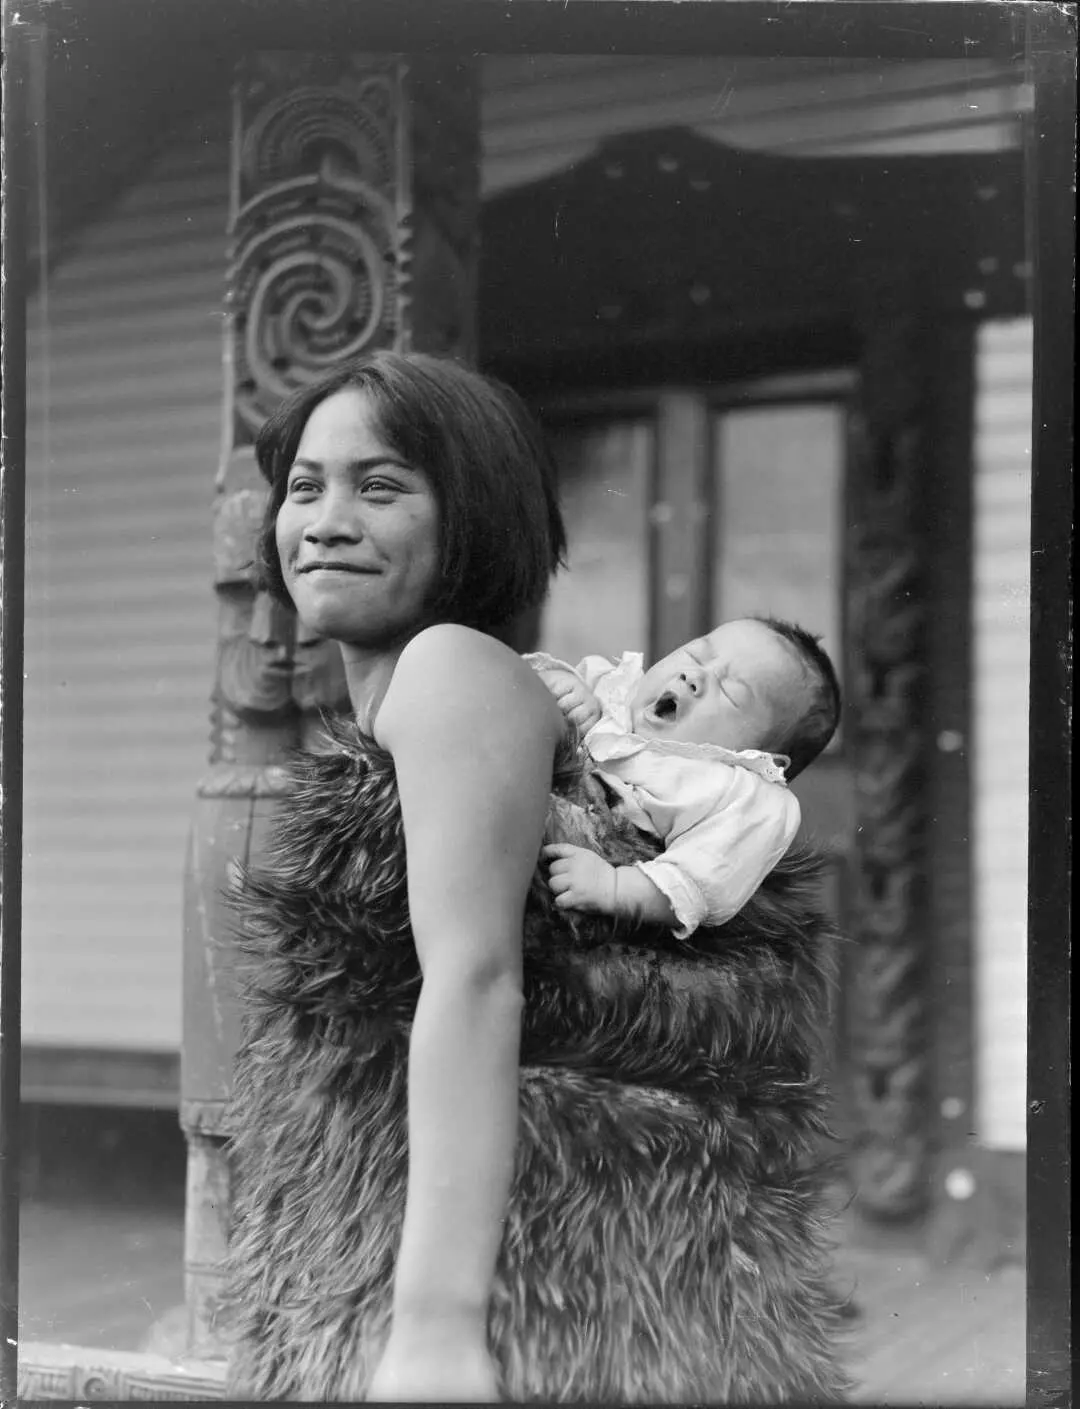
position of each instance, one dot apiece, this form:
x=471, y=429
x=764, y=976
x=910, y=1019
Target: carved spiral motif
x=95, y=1384
x=314, y=230
x=310, y=286
x=291, y=134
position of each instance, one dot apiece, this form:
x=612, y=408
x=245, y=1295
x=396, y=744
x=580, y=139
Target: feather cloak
x=665, y=1234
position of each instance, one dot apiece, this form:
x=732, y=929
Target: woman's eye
x=302, y=486
x=379, y=491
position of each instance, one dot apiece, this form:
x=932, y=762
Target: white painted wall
x=1000, y=746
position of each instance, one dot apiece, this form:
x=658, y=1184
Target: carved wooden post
x=887, y=606
x=354, y=205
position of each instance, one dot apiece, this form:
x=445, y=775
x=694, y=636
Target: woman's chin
x=326, y=619
x=347, y=630
x=323, y=608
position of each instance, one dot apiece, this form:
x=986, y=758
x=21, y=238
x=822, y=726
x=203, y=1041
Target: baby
x=699, y=751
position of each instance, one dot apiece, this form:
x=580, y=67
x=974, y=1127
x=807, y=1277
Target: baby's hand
x=574, y=698
x=580, y=880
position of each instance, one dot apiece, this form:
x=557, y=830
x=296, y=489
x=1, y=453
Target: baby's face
x=738, y=687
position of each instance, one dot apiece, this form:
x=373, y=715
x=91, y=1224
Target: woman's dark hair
x=501, y=531
x=811, y=732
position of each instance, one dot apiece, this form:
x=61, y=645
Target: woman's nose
x=335, y=521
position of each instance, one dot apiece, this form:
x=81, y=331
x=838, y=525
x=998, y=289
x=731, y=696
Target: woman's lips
x=337, y=567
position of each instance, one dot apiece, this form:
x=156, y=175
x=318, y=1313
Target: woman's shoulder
x=451, y=669
x=449, y=644
x=465, y=659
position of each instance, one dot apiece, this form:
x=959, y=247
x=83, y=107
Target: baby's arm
x=581, y=880
x=711, y=868
x=705, y=874
x=573, y=696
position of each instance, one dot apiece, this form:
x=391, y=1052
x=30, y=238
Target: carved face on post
x=256, y=667
x=318, y=679
x=357, y=531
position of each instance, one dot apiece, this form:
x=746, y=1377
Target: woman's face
x=357, y=531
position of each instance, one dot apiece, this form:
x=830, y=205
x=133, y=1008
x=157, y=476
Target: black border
x=1051, y=172
x=895, y=29
x=868, y=28
x=12, y=518
x=1046, y=33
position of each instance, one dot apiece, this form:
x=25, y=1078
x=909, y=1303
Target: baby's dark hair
x=811, y=732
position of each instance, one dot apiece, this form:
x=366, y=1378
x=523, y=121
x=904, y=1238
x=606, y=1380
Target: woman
x=482, y=1148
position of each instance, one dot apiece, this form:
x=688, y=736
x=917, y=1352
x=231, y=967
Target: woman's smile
x=338, y=567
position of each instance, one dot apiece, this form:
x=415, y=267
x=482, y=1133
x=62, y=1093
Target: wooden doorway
x=657, y=300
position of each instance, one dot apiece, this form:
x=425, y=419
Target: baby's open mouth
x=666, y=707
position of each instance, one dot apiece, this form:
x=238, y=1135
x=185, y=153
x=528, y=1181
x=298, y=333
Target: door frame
x=902, y=1121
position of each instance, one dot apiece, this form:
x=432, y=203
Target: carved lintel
x=77, y=1373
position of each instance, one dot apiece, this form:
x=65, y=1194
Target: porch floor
x=110, y=1277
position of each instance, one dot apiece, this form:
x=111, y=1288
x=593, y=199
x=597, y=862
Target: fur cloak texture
x=665, y=1236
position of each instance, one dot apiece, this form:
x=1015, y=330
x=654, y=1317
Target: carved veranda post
x=353, y=224
x=889, y=1006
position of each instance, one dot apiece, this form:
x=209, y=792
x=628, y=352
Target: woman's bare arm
x=472, y=732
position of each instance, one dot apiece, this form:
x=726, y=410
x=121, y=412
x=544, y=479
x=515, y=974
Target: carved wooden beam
x=353, y=224
x=78, y=1373
x=666, y=239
